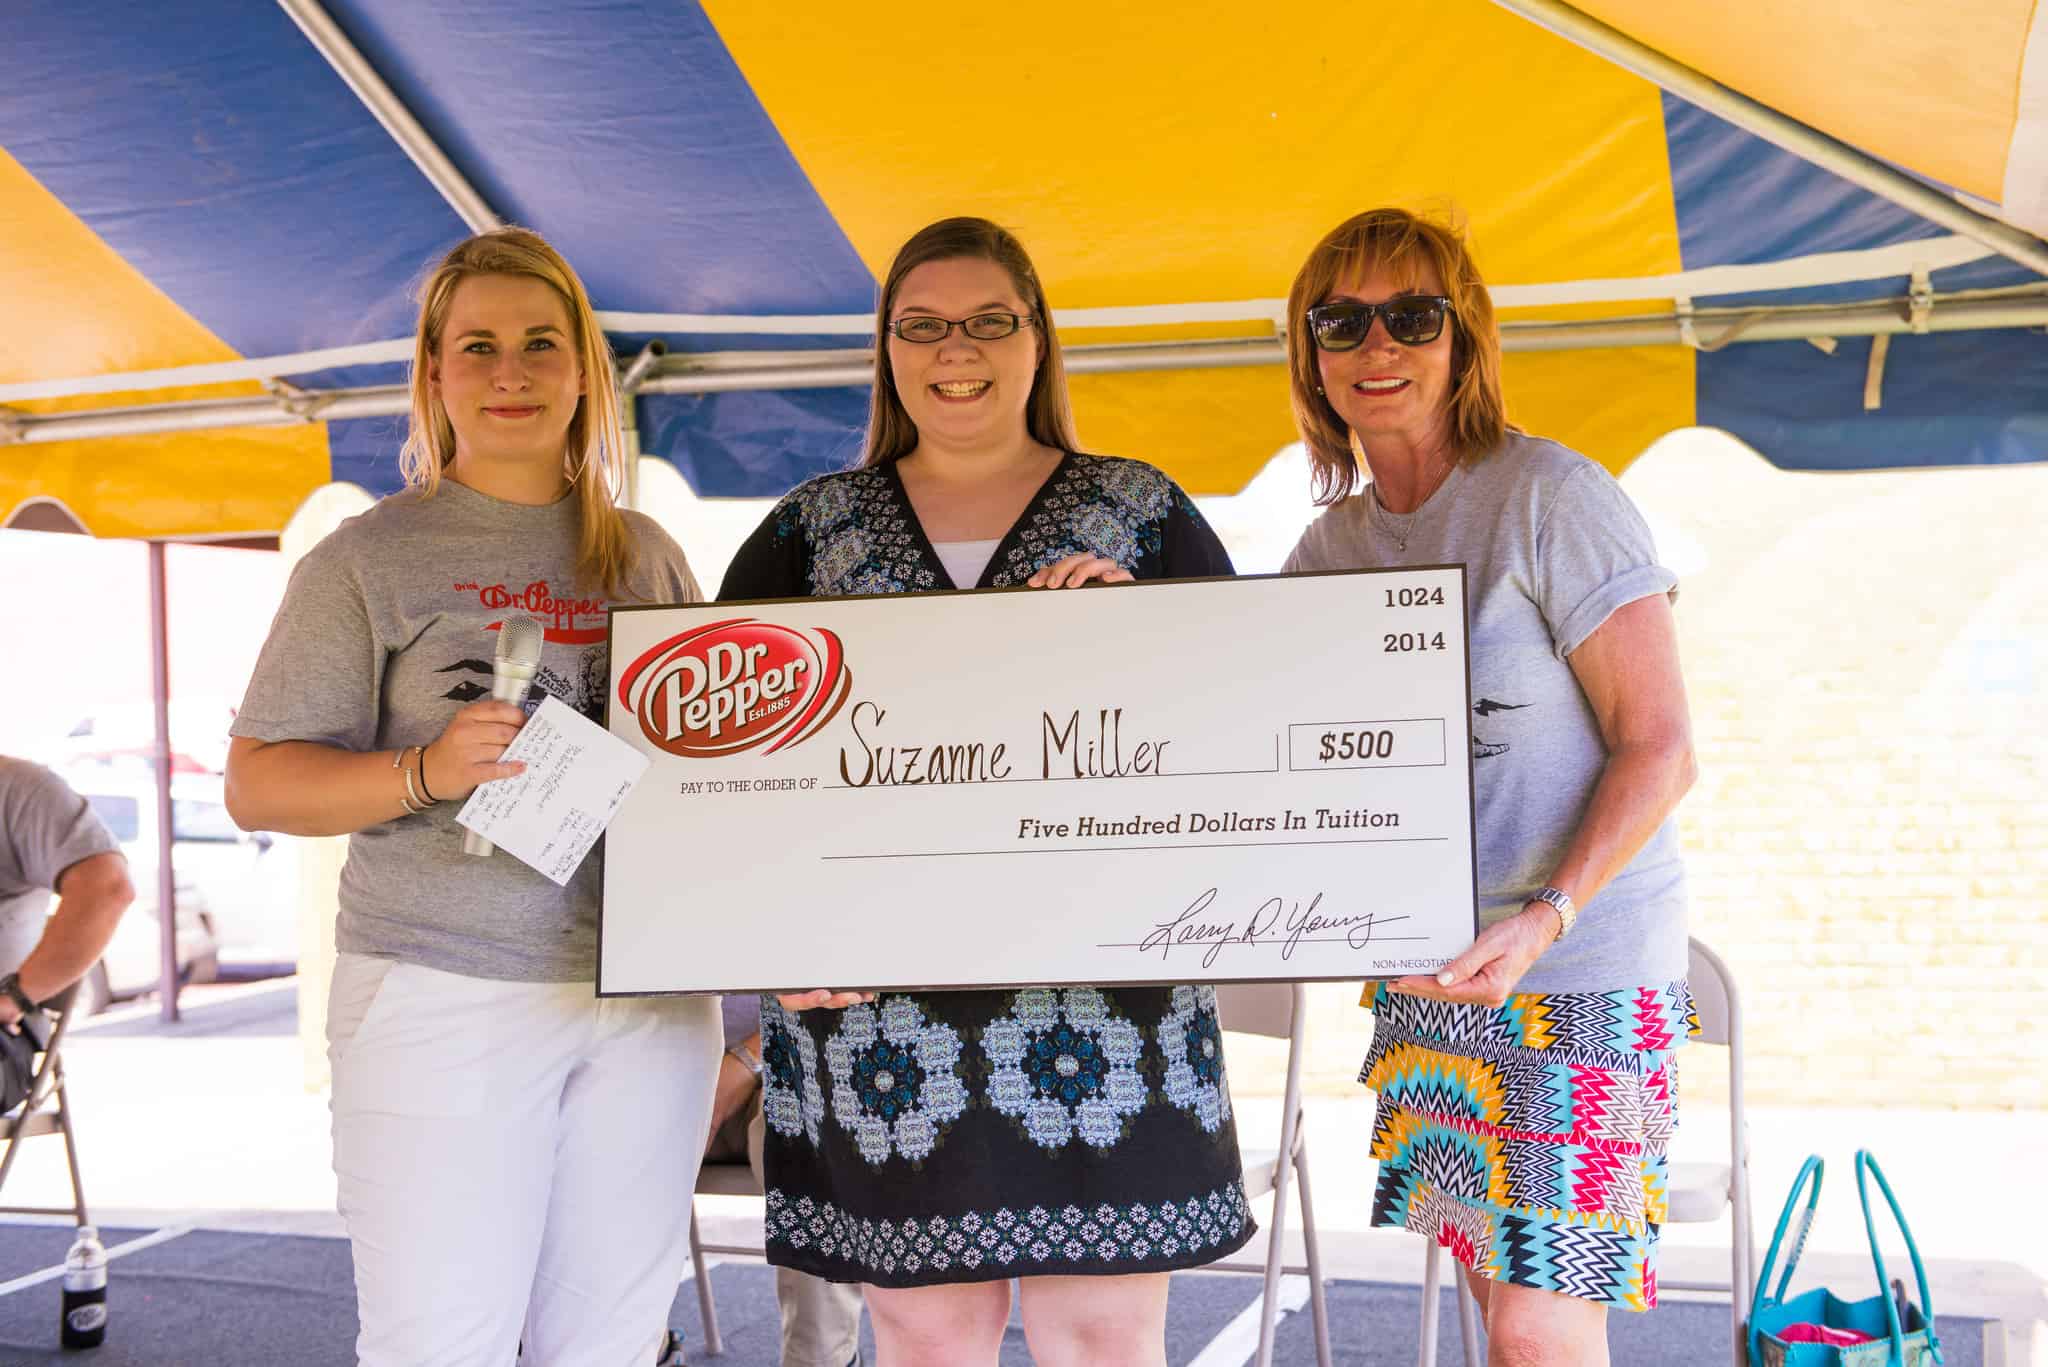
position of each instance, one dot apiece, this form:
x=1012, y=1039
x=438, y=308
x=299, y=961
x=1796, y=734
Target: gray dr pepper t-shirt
x=383, y=635
x=1552, y=547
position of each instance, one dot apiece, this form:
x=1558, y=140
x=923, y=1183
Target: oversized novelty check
x=1162, y=782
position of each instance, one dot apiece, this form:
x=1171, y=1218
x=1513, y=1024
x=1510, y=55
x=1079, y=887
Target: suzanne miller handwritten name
x=1273, y=922
x=1065, y=745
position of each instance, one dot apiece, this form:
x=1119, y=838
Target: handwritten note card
x=577, y=774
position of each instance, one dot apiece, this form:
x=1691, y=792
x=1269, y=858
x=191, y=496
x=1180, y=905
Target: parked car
x=124, y=735
x=228, y=896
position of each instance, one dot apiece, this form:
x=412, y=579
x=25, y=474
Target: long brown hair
x=594, y=453
x=1400, y=243
x=1048, y=415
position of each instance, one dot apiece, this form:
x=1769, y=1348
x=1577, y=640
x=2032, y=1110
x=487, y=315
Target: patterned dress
x=972, y=1136
x=1531, y=1139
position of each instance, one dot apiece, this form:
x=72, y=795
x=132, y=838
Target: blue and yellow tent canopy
x=199, y=215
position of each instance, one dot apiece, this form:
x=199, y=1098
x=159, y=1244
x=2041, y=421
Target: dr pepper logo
x=736, y=684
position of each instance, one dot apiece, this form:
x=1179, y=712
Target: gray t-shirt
x=45, y=828
x=383, y=635
x=1552, y=547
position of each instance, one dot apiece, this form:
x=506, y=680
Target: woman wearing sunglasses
x=933, y=1145
x=1525, y=1090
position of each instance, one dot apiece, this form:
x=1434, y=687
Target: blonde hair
x=1048, y=414
x=1398, y=242
x=593, y=455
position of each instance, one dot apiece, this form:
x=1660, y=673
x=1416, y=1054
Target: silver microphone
x=512, y=669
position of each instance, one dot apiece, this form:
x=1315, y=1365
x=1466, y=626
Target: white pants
x=515, y=1162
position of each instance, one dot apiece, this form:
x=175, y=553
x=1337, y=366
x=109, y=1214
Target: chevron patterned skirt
x=1530, y=1139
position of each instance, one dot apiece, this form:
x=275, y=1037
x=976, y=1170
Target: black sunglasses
x=1411, y=319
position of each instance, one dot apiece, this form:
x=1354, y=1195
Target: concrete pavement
x=209, y=1123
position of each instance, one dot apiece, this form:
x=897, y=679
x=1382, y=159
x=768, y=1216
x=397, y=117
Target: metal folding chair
x=1279, y=1011
x=1701, y=1192
x=46, y=1110
x=1698, y=1192
x=718, y=1179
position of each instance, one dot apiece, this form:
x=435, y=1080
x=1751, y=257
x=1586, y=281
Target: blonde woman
x=505, y=1144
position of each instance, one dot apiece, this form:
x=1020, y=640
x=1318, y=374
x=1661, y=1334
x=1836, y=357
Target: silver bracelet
x=412, y=790
x=398, y=762
x=1560, y=902
x=409, y=799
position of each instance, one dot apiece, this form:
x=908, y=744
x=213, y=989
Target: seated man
x=51, y=842
x=820, y=1319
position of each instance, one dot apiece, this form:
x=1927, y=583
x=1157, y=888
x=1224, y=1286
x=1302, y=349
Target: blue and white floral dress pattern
x=1192, y=1038
x=895, y=1079
x=979, y=1135
x=1065, y=1066
x=792, y=1103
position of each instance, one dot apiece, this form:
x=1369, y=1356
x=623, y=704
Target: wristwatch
x=1561, y=902
x=747, y=1057
x=10, y=987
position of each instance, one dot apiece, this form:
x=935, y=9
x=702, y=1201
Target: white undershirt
x=965, y=560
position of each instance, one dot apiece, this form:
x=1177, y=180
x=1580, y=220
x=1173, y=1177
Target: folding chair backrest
x=1257, y=1008
x=1713, y=995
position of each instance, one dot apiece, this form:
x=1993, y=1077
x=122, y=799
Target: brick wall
x=1867, y=661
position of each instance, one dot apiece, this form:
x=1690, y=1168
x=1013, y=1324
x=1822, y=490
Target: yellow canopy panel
x=1932, y=86
x=75, y=307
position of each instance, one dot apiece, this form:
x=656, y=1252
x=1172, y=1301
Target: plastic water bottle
x=85, y=1291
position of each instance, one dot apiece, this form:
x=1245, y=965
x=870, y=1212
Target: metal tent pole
x=631, y=380
x=1753, y=116
x=166, y=875
x=350, y=64
x=724, y=372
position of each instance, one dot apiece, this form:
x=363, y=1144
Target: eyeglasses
x=982, y=327
x=1411, y=319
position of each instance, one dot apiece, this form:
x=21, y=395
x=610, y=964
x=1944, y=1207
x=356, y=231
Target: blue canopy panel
x=626, y=133
x=228, y=163
x=257, y=192
x=1946, y=398
x=1955, y=398
x=756, y=443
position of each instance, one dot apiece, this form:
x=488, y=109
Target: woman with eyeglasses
x=1526, y=1090
x=933, y=1145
